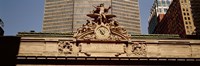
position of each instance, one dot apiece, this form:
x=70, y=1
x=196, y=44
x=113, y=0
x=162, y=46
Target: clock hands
x=102, y=32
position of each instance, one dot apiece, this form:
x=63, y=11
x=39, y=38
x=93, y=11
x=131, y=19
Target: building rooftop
x=156, y=36
x=150, y=36
x=41, y=34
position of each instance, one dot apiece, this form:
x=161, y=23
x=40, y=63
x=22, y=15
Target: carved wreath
x=138, y=49
x=65, y=47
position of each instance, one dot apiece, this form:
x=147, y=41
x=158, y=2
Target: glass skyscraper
x=65, y=16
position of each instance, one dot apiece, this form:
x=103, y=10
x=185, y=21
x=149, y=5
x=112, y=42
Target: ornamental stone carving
x=139, y=48
x=103, y=26
x=65, y=47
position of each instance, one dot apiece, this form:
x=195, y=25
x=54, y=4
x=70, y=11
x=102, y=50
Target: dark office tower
x=157, y=12
x=65, y=16
x=177, y=20
x=195, y=8
x=1, y=28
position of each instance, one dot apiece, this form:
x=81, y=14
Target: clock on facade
x=102, y=32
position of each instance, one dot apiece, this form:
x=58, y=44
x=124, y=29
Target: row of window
x=164, y=3
x=189, y=27
x=60, y=10
x=58, y=16
x=65, y=26
x=122, y=12
x=130, y=19
x=57, y=30
x=59, y=7
x=58, y=13
x=57, y=2
x=125, y=2
x=122, y=19
x=58, y=19
x=132, y=23
x=184, y=1
x=126, y=15
x=135, y=5
x=132, y=30
x=125, y=8
x=57, y=23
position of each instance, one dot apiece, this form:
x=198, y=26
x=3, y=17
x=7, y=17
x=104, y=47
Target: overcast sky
x=26, y=15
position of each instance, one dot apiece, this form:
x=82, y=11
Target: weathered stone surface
x=51, y=49
x=31, y=48
x=170, y=50
x=195, y=51
x=103, y=48
x=152, y=50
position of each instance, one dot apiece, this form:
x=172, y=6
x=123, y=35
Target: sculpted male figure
x=101, y=10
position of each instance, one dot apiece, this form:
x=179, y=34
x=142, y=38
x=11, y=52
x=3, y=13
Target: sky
x=26, y=15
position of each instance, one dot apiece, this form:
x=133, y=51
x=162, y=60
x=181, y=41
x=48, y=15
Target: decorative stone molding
x=139, y=49
x=65, y=47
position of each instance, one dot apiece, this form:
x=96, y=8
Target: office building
x=65, y=16
x=159, y=7
x=177, y=20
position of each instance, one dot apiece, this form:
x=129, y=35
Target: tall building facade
x=159, y=7
x=177, y=20
x=1, y=28
x=127, y=12
x=65, y=16
x=58, y=16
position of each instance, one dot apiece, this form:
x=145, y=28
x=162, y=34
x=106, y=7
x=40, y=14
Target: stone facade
x=170, y=48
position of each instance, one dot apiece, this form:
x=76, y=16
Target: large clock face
x=102, y=32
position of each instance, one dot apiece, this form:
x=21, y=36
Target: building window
x=163, y=2
x=190, y=27
x=186, y=23
x=187, y=27
x=168, y=2
x=159, y=4
x=188, y=18
x=184, y=14
x=190, y=23
x=185, y=18
x=165, y=10
x=188, y=14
